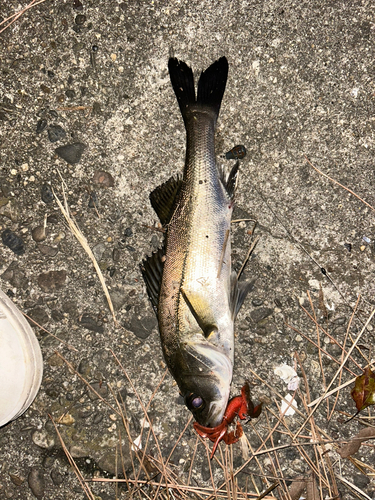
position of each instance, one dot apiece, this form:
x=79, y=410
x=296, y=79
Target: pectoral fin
x=239, y=290
x=163, y=199
x=230, y=180
x=152, y=271
x=201, y=312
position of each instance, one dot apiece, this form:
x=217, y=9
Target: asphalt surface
x=301, y=85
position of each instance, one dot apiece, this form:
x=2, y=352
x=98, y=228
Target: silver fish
x=194, y=293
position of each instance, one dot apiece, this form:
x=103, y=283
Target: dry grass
x=265, y=473
x=6, y=23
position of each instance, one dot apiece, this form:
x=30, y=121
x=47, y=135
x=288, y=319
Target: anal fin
x=239, y=290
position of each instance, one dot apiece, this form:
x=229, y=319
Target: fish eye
x=195, y=402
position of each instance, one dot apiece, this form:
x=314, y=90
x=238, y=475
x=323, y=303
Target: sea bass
x=194, y=293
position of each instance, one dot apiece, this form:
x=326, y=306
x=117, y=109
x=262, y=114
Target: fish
x=193, y=290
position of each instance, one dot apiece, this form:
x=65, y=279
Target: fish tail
x=182, y=80
x=211, y=86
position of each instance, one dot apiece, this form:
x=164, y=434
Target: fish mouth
x=216, y=412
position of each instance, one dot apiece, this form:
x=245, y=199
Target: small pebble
x=40, y=126
x=66, y=419
x=13, y=241
x=143, y=327
x=47, y=250
x=70, y=94
x=79, y=451
x=88, y=322
x=96, y=109
x=257, y=302
x=56, y=477
x=128, y=232
x=39, y=315
x=236, y=153
x=38, y=234
x=103, y=179
x=46, y=193
x=45, y=89
x=77, y=5
x=43, y=439
x=48, y=461
x=340, y=321
x=52, y=280
x=94, y=200
x=71, y=153
x=155, y=242
x=56, y=133
x=98, y=250
x=116, y=255
x=80, y=19
x=348, y=246
x=36, y=482
x=260, y=314
x=97, y=418
x=100, y=388
x=109, y=462
x=16, y=479
x=118, y=299
x=53, y=219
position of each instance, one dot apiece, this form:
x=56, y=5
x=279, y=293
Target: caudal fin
x=211, y=86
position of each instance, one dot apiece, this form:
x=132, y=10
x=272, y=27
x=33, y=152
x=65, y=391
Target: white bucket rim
x=21, y=362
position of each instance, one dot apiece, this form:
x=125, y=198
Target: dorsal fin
x=152, y=271
x=163, y=199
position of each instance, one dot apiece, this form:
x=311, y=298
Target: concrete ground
x=301, y=86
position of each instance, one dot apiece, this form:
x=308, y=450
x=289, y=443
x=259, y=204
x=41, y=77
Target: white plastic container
x=21, y=362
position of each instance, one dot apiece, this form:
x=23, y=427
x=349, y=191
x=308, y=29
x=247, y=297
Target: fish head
x=204, y=382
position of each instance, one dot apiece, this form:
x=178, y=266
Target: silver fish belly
x=190, y=283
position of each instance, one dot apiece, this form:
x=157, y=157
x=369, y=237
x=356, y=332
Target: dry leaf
x=355, y=443
x=297, y=488
x=364, y=390
x=312, y=491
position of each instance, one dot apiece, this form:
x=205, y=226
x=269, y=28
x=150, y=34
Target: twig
x=338, y=371
x=342, y=356
x=336, y=182
x=77, y=472
x=248, y=256
x=70, y=347
x=83, y=242
x=13, y=18
x=328, y=394
x=268, y=490
x=351, y=485
x=74, y=108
